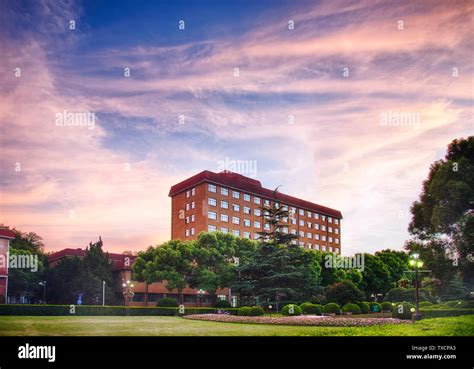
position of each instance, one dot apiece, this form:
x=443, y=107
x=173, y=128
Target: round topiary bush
x=364, y=307
x=222, y=304
x=291, y=310
x=243, y=311
x=402, y=310
x=167, y=302
x=332, y=308
x=386, y=306
x=351, y=308
x=375, y=307
x=256, y=311
x=308, y=308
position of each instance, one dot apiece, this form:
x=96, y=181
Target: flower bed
x=299, y=320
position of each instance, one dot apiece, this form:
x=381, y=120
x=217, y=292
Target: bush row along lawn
x=176, y=326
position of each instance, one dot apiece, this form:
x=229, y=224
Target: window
x=285, y=230
x=293, y=221
x=323, y=218
x=309, y=235
x=187, y=207
x=316, y=216
x=316, y=226
x=193, y=205
x=246, y=234
x=336, y=231
x=293, y=231
x=235, y=220
x=308, y=214
x=330, y=239
x=188, y=193
x=187, y=232
x=266, y=202
x=246, y=197
x=301, y=234
x=336, y=240
x=316, y=247
x=323, y=238
x=330, y=229
x=224, y=230
x=324, y=248
x=302, y=243
x=330, y=249
x=212, y=188
x=192, y=231
x=316, y=236
x=301, y=222
x=284, y=208
x=309, y=246
x=211, y=201
x=293, y=209
x=308, y=224
x=301, y=212
x=236, y=195
x=224, y=218
x=247, y=222
x=256, y=200
x=256, y=224
x=257, y=212
x=323, y=228
x=187, y=220
x=211, y=215
x=193, y=218
x=246, y=210
x=193, y=191
x=336, y=221
x=224, y=205
x=236, y=232
x=329, y=219
x=267, y=226
x=211, y=228
x=235, y=207
x=224, y=191
x=256, y=236
x=293, y=242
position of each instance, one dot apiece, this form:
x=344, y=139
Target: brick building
x=231, y=202
x=5, y=236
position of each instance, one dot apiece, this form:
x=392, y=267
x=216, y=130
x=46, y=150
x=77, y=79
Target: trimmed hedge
x=375, y=307
x=386, y=306
x=351, y=308
x=243, y=311
x=364, y=307
x=256, y=311
x=402, y=310
x=222, y=304
x=291, y=310
x=332, y=308
x=426, y=304
x=167, y=302
x=308, y=308
x=96, y=310
x=441, y=313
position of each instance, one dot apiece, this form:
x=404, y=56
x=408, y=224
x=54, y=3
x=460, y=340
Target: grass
x=176, y=326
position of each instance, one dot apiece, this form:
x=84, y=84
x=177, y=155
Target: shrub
x=243, y=311
x=343, y=293
x=332, y=308
x=459, y=304
x=402, y=310
x=308, y=308
x=167, y=302
x=364, y=307
x=406, y=294
x=441, y=313
x=375, y=307
x=222, y=304
x=291, y=310
x=256, y=311
x=425, y=304
x=386, y=306
x=351, y=308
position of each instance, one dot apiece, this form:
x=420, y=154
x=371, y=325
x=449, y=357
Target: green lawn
x=175, y=326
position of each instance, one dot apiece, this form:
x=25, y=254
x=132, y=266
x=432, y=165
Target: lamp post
x=128, y=294
x=43, y=283
x=200, y=295
x=416, y=264
x=103, y=293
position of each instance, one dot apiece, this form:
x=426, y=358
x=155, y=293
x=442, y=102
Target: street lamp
x=127, y=294
x=201, y=293
x=43, y=283
x=103, y=293
x=416, y=264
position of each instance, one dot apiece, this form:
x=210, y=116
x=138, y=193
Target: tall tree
x=376, y=276
x=444, y=214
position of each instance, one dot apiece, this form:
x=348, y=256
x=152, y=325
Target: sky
x=342, y=103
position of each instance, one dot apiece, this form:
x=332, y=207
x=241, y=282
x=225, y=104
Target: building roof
x=6, y=233
x=240, y=182
x=118, y=260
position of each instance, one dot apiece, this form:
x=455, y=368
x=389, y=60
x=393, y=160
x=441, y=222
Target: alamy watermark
x=345, y=262
x=244, y=167
x=75, y=119
x=391, y=118
x=20, y=262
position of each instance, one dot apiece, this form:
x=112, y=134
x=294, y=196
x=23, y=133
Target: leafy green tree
x=443, y=217
x=375, y=276
x=455, y=290
x=172, y=262
x=396, y=262
x=343, y=293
